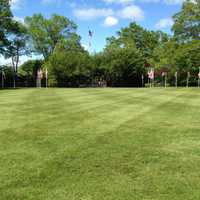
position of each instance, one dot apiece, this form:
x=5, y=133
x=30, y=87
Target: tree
x=121, y=67
x=69, y=65
x=187, y=22
x=5, y=23
x=16, y=46
x=131, y=51
x=135, y=36
x=47, y=33
x=28, y=71
x=7, y=76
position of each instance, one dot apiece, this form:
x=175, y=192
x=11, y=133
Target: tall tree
x=137, y=37
x=5, y=23
x=120, y=66
x=69, y=65
x=16, y=46
x=47, y=33
x=187, y=22
x=28, y=71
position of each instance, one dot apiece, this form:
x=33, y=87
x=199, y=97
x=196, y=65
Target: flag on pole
x=39, y=74
x=46, y=75
x=151, y=74
x=90, y=33
x=199, y=74
x=39, y=77
x=148, y=73
x=151, y=77
x=188, y=75
x=188, y=78
x=142, y=80
x=176, y=79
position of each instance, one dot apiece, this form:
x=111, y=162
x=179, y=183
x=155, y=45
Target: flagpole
x=199, y=78
x=46, y=82
x=176, y=79
x=187, y=83
x=142, y=80
x=153, y=77
x=187, y=79
x=163, y=81
x=46, y=78
x=150, y=80
x=14, y=83
x=2, y=79
x=90, y=35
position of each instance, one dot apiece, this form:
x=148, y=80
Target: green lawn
x=100, y=144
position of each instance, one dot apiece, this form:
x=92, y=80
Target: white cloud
x=48, y=2
x=16, y=4
x=164, y=23
x=22, y=60
x=132, y=12
x=173, y=2
x=110, y=21
x=8, y=62
x=118, y=1
x=4, y=61
x=92, y=13
x=151, y=1
x=168, y=2
x=19, y=19
x=85, y=46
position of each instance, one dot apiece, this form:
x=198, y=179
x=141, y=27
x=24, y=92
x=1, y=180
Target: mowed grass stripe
x=101, y=144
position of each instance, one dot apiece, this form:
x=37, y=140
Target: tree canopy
x=5, y=23
x=123, y=62
x=187, y=22
x=45, y=34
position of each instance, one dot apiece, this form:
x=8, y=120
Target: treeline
x=124, y=62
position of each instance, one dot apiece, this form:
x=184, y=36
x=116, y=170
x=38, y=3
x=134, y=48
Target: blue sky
x=104, y=17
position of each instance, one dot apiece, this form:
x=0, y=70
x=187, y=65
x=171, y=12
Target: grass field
x=100, y=144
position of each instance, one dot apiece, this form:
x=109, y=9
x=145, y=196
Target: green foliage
x=69, y=65
x=164, y=55
x=187, y=22
x=134, y=36
x=8, y=75
x=121, y=66
x=17, y=44
x=181, y=58
x=45, y=33
x=130, y=52
x=13, y=35
x=28, y=71
x=5, y=23
x=124, y=60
